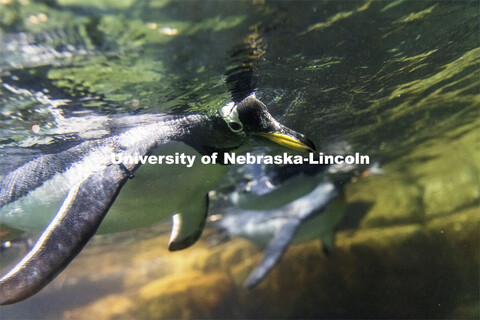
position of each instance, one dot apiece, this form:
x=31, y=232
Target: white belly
x=34, y=211
x=157, y=191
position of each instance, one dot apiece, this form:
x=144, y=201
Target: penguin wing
x=188, y=226
x=75, y=223
x=304, y=208
x=275, y=250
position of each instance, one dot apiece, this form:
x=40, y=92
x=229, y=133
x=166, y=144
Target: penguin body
x=80, y=185
x=315, y=213
x=293, y=204
x=143, y=199
x=261, y=226
x=264, y=193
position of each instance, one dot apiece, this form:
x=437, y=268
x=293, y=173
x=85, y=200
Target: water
x=398, y=80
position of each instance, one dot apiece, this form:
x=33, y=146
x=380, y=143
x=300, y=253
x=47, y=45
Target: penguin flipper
x=320, y=197
x=188, y=227
x=75, y=223
x=275, y=250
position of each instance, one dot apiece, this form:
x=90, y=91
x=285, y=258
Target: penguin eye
x=229, y=113
x=235, y=126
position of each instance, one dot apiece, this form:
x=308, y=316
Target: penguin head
x=250, y=118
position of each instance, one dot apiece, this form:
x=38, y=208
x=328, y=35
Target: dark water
x=398, y=80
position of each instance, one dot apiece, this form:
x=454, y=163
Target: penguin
x=275, y=207
x=314, y=215
x=73, y=190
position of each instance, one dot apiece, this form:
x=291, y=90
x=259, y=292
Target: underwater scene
x=271, y=232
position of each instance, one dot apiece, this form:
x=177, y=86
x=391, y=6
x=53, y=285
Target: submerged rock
x=404, y=271
x=188, y=296
x=393, y=200
x=412, y=270
x=435, y=179
x=115, y=306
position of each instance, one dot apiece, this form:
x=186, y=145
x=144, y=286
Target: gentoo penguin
x=75, y=188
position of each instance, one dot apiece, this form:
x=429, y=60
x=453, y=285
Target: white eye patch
x=229, y=113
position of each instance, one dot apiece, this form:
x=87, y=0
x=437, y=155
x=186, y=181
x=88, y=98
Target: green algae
x=438, y=177
x=98, y=4
x=215, y=24
x=336, y=18
x=417, y=102
x=392, y=4
x=127, y=56
x=92, y=76
x=416, y=15
x=33, y=16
